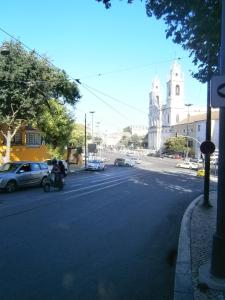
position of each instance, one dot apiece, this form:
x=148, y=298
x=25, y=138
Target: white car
x=95, y=165
x=135, y=160
x=187, y=165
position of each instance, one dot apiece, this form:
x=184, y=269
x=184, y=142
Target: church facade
x=163, y=116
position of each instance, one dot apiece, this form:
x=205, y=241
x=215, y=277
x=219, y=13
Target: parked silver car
x=22, y=174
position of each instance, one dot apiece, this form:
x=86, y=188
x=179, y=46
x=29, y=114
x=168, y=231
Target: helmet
x=54, y=161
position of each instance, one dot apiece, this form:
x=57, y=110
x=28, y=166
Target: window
x=199, y=128
x=177, y=118
x=169, y=90
x=17, y=139
x=168, y=119
x=35, y=167
x=157, y=99
x=25, y=168
x=177, y=90
x=33, y=138
x=43, y=166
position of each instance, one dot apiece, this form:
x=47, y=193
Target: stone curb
x=183, y=288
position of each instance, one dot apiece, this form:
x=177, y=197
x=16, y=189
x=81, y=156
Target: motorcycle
x=55, y=181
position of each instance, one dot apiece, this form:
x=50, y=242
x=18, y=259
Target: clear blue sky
x=117, y=52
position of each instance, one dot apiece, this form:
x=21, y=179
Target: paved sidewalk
x=194, y=250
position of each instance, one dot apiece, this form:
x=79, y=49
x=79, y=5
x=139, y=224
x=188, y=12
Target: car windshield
x=94, y=161
x=9, y=167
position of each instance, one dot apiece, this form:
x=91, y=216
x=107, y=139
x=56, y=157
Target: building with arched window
x=163, y=116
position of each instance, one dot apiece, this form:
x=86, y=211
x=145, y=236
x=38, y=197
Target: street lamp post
x=188, y=120
x=92, y=125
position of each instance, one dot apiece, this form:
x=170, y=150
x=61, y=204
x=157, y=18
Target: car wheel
x=46, y=187
x=44, y=181
x=11, y=186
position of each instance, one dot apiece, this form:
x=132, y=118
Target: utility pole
x=218, y=249
x=206, y=202
x=92, y=125
x=188, y=120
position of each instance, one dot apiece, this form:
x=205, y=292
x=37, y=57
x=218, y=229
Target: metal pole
x=188, y=120
x=206, y=202
x=85, y=141
x=218, y=249
x=92, y=125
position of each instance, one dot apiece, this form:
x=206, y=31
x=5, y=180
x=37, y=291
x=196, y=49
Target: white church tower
x=155, y=116
x=163, y=116
x=173, y=110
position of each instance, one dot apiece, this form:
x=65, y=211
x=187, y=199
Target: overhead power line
x=109, y=105
x=117, y=100
x=129, y=68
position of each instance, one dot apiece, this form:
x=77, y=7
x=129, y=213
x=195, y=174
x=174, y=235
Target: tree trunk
x=8, y=145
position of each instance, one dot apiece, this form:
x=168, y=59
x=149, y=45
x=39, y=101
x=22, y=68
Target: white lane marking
x=89, y=187
x=96, y=190
x=79, y=184
x=105, y=179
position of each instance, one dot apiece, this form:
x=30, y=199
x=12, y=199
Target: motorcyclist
x=62, y=168
x=56, y=173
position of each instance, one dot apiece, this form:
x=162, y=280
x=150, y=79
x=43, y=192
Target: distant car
x=50, y=164
x=135, y=160
x=122, y=162
x=119, y=162
x=21, y=174
x=187, y=165
x=197, y=160
x=95, y=165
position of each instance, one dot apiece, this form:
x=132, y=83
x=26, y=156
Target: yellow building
x=27, y=144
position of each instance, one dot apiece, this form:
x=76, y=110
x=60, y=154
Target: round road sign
x=207, y=147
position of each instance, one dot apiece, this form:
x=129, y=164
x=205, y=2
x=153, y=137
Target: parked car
x=95, y=165
x=187, y=165
x=21, y=174
x=136, y=160
x=123, y=162
x=49, y=162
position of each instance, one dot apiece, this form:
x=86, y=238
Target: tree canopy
x=175, y=145
x=56, y=125
x=195, y=25
x=27, y=82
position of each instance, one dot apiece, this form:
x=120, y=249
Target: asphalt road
x=107, y=235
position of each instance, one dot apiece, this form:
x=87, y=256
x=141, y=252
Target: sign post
x=218, y=248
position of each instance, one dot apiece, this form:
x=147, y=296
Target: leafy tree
x=98, y=140
x=127, y=129
x=27, y=82
x=194, y=24
x=56, y=125
x=175, y=145
x=135, y=141
x=77, y=135
x=124, y=141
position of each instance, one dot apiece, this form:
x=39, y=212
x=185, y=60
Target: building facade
x=163, y=116
x=174, y=117
x=27, y=144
